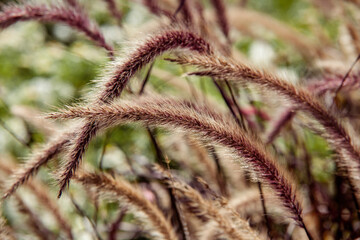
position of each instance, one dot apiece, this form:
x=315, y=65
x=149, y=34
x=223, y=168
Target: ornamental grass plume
x=113, y=86
x=210, y=156
x=331, y=127
x=207, y=124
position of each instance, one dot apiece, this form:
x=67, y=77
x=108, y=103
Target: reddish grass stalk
x=178, y=9
x=237, y=107
x=185, y=8
x=228, y=103
x=267, y=220
x=279, y=123
x=346, y=76
x=116, y=224
x=146, y=79
x=160, y=159
x=71, y=16
x=156, y=10
x=209, y=125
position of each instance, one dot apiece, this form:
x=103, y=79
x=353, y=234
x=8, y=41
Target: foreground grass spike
x=73, y=17
x=115, y=84
x=332, y=130
x=209, y=125
x=145, y=53
x=106, y=185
